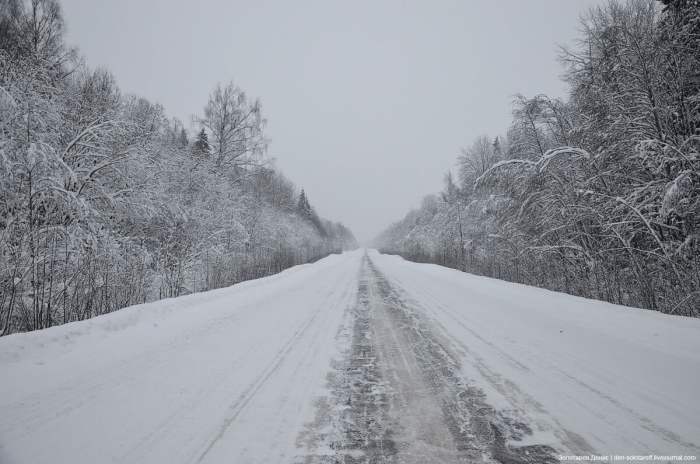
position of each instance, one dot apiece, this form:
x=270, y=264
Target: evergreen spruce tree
x=182, y=139
x=497, y=149
x=201, y=146
x=304, y=207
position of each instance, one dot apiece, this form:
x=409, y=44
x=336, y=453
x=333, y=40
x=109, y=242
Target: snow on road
x=225, y=376
x=357, y=358
x=586, y=376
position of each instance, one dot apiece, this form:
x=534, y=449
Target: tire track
x=240, y=404
x=359, y=428
x=576, y=444
x=398, y=396
x=475, y=425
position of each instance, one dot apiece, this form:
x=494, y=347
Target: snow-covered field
x=356, y=357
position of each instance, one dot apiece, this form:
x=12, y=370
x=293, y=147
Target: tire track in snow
x=476, y=427
x=575, y=443
x=244, y=399
x=355, y=426
x=65, y=400
x=397, y=396
x=254, y=355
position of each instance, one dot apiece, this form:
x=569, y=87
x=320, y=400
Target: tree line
x=105, y=202
x=597, y=195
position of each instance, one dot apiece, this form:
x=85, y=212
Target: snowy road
x=356, y=358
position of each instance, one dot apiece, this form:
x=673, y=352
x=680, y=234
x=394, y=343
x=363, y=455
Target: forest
x=595, y=195
x=105, y=202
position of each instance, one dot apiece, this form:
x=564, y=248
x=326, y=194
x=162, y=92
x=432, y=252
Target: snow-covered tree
x=102, y=204
x=598, y=195
x=237, y=127
x=201, y=145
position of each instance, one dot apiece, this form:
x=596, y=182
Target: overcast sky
x=368, y=102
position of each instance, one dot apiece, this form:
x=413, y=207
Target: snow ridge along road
x=360, y=357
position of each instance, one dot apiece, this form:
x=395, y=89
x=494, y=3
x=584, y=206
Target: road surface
x=357, y=358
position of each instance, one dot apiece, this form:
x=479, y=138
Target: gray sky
x=368, y=102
